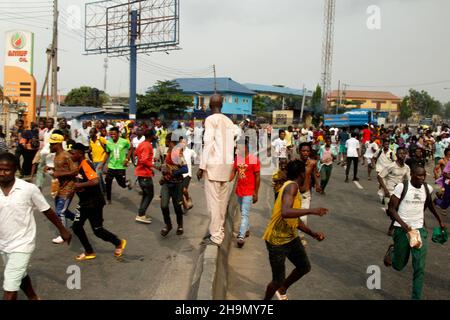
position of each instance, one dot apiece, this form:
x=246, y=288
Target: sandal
x=120, y=248
x=85, y=256
x=165, y=231
x=180, y=231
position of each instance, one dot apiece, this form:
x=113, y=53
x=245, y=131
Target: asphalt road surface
x=152, y=267
x=356, y=238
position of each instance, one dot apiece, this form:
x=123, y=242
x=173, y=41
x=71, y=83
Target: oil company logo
x=18, y=40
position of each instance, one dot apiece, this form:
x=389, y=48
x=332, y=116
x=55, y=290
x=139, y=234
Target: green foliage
x=164, y=97
x=405, y=110
x=258, y=105
x=264, y=104
x=447, y=110
x=316, y=101
x=86, y=96
x=423, y=103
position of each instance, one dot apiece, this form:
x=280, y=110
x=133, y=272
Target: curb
x=210, y=280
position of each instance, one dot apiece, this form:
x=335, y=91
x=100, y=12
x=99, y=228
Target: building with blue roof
x=237, y=99
x=276, y=91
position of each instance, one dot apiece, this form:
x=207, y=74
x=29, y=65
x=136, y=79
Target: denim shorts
x=294, y=251
x=16, y=264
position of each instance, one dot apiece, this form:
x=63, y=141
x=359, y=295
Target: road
x=152, y=267
x=356, y=238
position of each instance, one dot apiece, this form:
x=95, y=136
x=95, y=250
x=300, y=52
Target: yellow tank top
x=280, y=230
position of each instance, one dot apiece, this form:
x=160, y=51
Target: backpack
x=405, y=191
x=379, y=155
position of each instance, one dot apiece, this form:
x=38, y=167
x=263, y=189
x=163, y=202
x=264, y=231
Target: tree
x=316, y=101
x=86, y=96
x=447, y=110
x=259, y=105
x=164, y=97
x=405, y=110
x=423, y=103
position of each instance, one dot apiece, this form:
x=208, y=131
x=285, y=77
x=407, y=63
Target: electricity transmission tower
x=327, y=50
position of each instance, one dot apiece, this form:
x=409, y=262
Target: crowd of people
x=85, y=158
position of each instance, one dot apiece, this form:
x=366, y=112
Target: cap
x=56, y=138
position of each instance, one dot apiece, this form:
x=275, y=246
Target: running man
x=144, y=174
x=407, y=209
x=189, y=155
x=18, y=227
x=171, y=185
x=91, y=207
x=281, y=235
x=390, y=177
x=327, y=154
x=310, y=180
x=371, y=149
x=353, y=153
x=66, y=172
x=248, y=167
x=118, y=156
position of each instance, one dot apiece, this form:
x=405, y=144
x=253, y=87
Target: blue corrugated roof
x=278, y=90
x=206, y=85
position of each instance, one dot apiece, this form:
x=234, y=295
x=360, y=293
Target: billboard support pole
x=133, y=64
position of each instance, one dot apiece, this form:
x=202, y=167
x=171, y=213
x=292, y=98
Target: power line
x=401, y=86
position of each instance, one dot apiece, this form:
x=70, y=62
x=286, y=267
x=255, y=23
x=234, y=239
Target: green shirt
x=117, y=153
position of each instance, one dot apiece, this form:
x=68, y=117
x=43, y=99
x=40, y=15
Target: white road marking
x=358, y=185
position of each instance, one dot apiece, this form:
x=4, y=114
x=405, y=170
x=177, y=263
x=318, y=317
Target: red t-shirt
x=366, y=133
x=246, y=174
x=144, y=153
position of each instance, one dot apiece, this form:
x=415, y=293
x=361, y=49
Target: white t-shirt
x=198, y=134
x=83, y=136
x=352, y=146
x=369, y=152
x=46, y=148
x=384, y=160
x=310, y=136
x=189, y=154
x=189, y=134
x=136, y=141
x=394, y=174
x=411, y=209
x=280, y=148
x=17, y=224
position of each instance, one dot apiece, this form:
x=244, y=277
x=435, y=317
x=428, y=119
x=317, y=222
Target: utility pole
x=215, y=79
x=106, y=74
x=303, y=104
x=338, y=104
x=49, y=63
x=54, y=93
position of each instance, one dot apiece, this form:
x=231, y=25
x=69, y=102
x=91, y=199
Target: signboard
x=19, y=50
x=19, y=82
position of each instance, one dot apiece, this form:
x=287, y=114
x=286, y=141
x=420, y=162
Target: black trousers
x=119, y=175
x=355, y=166
x=174, y=191
x=28, y=156
x=146, y=184
x=95, y=217
x=295, y=252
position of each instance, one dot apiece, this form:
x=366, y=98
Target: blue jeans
x=245, y=203
x=62, y=210
x=100, y=176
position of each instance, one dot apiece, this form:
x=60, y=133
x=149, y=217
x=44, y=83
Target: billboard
x=19, y=82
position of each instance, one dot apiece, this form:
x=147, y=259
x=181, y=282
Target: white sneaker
x=58, y=240
x=143, y=219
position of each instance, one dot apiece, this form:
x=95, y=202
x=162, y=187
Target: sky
x=261, y=41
